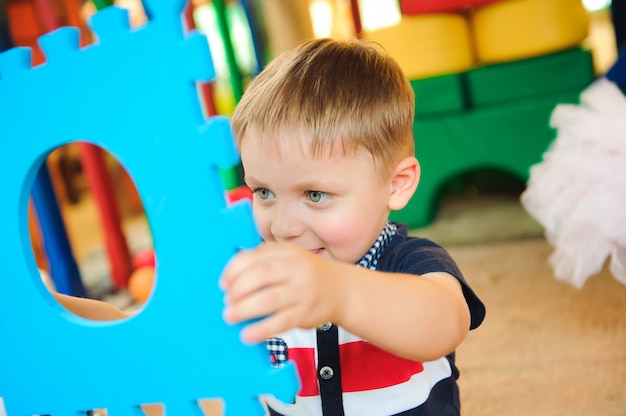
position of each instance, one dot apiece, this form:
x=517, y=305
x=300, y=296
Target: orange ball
x=140, y=283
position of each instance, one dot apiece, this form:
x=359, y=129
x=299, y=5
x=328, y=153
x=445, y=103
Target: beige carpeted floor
x=545, y=348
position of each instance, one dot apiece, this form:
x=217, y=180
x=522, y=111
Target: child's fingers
x=266, y=328
x=265, y=301
x=243, y=261
x=254, y=270
x=257, y=279
x=235, y=266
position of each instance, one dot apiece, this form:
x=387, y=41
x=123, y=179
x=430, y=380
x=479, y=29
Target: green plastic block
x=510, y=138
x=231, y=177
x=439, y=94
x=567, y=70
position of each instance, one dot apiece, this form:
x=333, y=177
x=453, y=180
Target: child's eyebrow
x=316, y=185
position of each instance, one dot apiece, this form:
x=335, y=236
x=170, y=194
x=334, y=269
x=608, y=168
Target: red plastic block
x=238, y=194
x=429, y=6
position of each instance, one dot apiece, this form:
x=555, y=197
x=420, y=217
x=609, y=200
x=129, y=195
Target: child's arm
x=90, y=308
x=417, y=317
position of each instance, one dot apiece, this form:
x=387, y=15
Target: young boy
x=370, y=316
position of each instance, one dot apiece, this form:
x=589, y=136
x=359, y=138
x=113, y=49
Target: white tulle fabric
x=578, y=191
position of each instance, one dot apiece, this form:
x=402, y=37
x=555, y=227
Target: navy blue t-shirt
x=418, y=256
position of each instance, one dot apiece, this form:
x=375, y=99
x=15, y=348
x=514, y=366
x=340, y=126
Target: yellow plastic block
x=518, y=29
x=428, y=45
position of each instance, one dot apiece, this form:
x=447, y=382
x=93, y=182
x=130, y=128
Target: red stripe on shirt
x=363, y=367
x=305, y=363
x=366, y=367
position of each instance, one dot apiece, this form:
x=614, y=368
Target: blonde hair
x=346, y=93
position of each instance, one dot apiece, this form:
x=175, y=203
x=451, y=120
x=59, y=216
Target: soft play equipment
x=486, y=75
x=509, y=137
x=491, y=117
x=429, y=6
x=571, y=69
x=439, y=94
x=133, y=93
x=518, y=29
x=427, y=45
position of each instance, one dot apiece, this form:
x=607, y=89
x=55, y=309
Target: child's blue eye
x=264, y=193
x=317, y=196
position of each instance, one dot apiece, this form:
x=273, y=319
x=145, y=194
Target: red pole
x=101, y=187
x=356, y=17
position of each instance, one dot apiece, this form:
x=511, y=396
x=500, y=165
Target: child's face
x=334, y=205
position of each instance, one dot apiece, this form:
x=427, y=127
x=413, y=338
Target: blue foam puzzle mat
x=132, y=93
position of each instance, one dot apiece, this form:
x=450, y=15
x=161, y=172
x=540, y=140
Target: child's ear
x=404, y=180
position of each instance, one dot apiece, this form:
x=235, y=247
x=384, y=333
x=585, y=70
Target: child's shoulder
x=402, y=241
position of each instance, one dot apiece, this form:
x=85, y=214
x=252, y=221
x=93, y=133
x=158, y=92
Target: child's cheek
x=344, y=240
x=263, y=224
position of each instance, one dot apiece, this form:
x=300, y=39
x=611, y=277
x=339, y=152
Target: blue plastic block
x=132, y=93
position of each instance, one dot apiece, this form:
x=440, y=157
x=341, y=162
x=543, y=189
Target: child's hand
x=288, y=285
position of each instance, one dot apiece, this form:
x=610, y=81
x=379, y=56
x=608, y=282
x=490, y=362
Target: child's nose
x=287, y=222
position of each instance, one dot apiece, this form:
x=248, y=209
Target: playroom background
x=487, y=76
